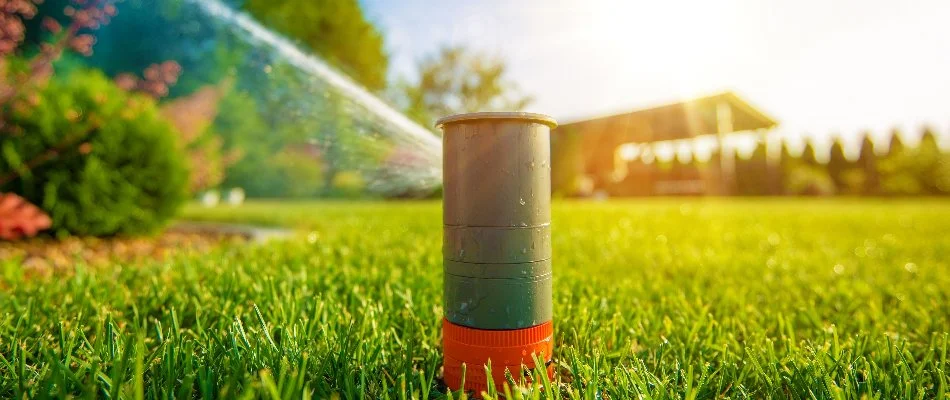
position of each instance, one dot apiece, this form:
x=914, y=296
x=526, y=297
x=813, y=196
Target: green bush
x=100, y=161
x=809, y=180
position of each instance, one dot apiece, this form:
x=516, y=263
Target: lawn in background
x=662, y=298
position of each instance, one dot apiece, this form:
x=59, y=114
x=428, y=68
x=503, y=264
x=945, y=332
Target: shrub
x=99, y=160
x=300, y=174
x=347, y=184
x=192, y=116
x=809, y=180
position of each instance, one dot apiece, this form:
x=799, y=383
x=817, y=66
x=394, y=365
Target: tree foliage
x=808, y=156
x=457, y=80
x=929, y=159
x=867, y=164
x=145, y=32
x=838, y=166
x=806, y=176
x=566, y=172
x=897, y=168
x=922, y=168
x=896, y=144
x=337, y=30
x=752, y=173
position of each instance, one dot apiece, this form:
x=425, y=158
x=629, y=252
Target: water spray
x=414, y=163
x=496, y=245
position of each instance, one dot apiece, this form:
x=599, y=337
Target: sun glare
x=683, y=46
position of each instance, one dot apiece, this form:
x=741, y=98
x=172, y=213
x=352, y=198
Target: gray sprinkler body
x=497, y=219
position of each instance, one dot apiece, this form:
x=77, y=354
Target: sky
x=822, y=68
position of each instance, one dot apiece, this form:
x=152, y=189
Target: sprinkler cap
x=506, y=115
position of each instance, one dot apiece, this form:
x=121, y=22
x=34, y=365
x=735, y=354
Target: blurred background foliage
x=897, y=171
x=894, y=170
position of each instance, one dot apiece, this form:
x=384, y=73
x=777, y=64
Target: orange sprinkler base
x=506, y=349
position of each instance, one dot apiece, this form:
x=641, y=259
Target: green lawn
x=661, y=298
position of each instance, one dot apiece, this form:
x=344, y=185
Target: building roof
x=679, y=120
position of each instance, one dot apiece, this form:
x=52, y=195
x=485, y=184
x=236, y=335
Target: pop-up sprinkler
x=496, y=245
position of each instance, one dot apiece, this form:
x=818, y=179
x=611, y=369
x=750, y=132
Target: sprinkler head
x=496, y=245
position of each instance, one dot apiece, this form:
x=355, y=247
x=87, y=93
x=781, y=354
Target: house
x=594, y=155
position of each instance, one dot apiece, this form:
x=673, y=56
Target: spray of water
x=415, y=161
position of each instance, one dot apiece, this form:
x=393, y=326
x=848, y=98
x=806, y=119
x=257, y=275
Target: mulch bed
x=44, y=256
